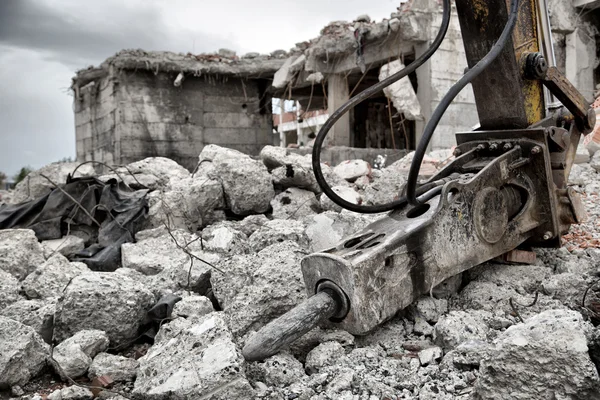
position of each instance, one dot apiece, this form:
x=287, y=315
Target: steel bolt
x=536, y=150
x=457, y=152
x=494, y=146
x=507, y=146
x=480, y=147
x=547, y=235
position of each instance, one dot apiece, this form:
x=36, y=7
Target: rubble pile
x=218, y=256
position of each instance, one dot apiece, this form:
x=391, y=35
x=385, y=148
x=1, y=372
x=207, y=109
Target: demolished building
x=139, y=104
x=136, y=105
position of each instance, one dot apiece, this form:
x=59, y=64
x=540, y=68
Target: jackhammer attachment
x=496, y=195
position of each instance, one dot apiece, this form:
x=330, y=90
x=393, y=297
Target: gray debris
x=9, y=289
x=278, y=231
x=224, y=238
x=550, y=344
x=67, y=246
x=188, y=203
x=457, y=327
x=345, y=192
x=34, y=185
x=104, y=301
x=595, y=161
x=431, y=308
x=154, y=173
x=280, y=370
x=190, y=359
x=567, y=287
x=153, y=255
x=23, y=353
x=351, y=170
x=430, y=355
x=193, y=307
x=38, y=314
x=247, y=184
x=51, y=278
x=260, y=287
x=73, y=356
x=73, y=392
x=119, y=368
x=294, y=203
x=20, y=252
x=323, y=355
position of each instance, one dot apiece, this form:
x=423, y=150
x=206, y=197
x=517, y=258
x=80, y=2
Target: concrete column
x=337, y=94
x=581, y=61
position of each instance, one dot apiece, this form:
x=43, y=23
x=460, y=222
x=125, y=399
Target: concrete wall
x=141, y=114
x=435, y=78
x=95, y=122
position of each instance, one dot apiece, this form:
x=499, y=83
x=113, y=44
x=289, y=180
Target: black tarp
x=117, y=212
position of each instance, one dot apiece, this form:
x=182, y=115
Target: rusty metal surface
x=504, y=99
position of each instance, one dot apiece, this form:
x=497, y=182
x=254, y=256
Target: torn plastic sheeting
x=119, y=211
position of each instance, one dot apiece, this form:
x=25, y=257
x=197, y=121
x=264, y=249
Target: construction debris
x=189, y=289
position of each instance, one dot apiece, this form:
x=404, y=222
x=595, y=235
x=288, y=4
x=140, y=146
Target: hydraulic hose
x=411, y=184
x=319, y=140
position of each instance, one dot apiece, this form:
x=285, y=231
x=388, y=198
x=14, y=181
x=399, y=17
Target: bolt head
x=536, y=150
x=494, y=146
x=457, y=152
x=547, y=235
x=507, y=146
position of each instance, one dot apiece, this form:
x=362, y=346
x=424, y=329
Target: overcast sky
x=43, y=42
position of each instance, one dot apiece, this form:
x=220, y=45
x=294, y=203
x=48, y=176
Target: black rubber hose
x=413, y=174
x=316, y=153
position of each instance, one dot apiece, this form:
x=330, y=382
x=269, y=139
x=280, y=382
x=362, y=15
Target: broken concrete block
x=154, y=173
x=525, y=278
x=457, y=327
x=595, y=161
x=51, y=278
x=566, y=287
x=73, y=392
x=152, y=255
x=431, y=309
x=104, y=301
x=294, y=203
x=251, y=224
x=247, y=184
x=119, y=368
x=192, y=358
x=224, y=238
x=329, y=228
x=193, y=307
x=351, y=170
x=384, y=188
x=20, y=252
x=9, y=289
x=74, y=355
x=422, y=327
x=278, y=231
x=23, y=353
x=323, y=355
x=67, y=246
x=430, y=355
x=345, y=192
x=260, y=287
x=38, y=314
x=188, y=203
x=34, y=185
x=583, y=155
x=550, y=344
x=280, y=370
x=401, y=93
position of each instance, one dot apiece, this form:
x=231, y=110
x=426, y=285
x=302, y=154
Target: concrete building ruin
x=140, y=104
x=135, y=104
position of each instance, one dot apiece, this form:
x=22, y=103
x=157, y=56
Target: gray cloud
x=77, y=41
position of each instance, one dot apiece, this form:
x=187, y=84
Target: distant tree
x=22, y=174
x=66, y=160
x=2, y=179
